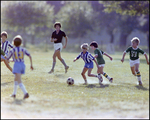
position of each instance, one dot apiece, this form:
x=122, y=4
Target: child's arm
x=53, y=39
x=146, y=58
x=108, y=56
x=31, y=62
x=96, y=55
x=75, y=59
x=122, y=60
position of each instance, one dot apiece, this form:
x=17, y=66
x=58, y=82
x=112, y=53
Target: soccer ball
x=70, y=81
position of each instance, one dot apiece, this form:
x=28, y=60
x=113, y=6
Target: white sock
x=22, y=87
x=15, y=87
x=139, y=78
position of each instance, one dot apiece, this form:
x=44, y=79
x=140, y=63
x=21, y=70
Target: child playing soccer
x=100, y=60
x=19, y=67
x=5, y=43
x=88, y=59
x=134, y=51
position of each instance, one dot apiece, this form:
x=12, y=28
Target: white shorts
x=133, y=62
x=58, y=46
x=102, y=65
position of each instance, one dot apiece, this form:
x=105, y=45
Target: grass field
x=51, y=97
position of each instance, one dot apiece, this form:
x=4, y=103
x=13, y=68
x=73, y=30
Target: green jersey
x=134, y=53
x=2, y=53
x=99, y=58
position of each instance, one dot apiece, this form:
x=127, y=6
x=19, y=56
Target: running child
x=88, y=59
x=100, y=60
x=5, y=44
x=134, y=51
x=17, y=53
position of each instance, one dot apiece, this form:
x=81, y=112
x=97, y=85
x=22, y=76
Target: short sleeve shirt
x=58, y=36
x=134, y=53
x=100, y=59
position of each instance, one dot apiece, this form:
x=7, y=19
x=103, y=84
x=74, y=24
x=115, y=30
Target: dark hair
x=57, y=23
x=94, y=43
x=17, y=40
x=4, y=33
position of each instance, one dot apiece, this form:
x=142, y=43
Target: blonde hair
x=135, y=39
x=85, y=46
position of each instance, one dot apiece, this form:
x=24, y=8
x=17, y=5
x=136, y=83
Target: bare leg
x=83, y=74
x=133, y=70
x=138, y=74
x=7, y=64
x=89, y=73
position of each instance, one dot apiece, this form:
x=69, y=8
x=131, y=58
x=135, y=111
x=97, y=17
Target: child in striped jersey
x=100, y=60
x=88, y=59
x=17, y=54
x=5, y=44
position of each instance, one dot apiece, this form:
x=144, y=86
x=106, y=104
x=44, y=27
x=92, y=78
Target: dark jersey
x=100, y=59
x=134, y=53
x=58, y=36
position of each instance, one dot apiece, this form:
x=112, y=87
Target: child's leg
x=15, y=86
x=138, y=73
x=89, y=73
x=105, y=74
x=21, y=85
x=7, y=65
x=83, y=74
x=133, y=70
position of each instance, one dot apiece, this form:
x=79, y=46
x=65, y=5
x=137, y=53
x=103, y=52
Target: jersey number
x=20, y=55
x=133, y=54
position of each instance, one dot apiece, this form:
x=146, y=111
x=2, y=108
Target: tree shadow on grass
x=141, y=88
x=6, y=83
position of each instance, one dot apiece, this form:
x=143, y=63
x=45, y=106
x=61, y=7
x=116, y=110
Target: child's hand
x=74, y=60
x=122, y=60
x=148, y=62
x=31, y=67
x=55, y=39
x=111, y=58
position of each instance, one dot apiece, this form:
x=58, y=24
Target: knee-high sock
x=138, y=74
x=63, y=62
x=15, y=87
x=104, y=74
x=54, y=63
x=22, y=87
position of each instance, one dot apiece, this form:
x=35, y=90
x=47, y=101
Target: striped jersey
x=17, y=54
x=87, y=57
x=5, y=46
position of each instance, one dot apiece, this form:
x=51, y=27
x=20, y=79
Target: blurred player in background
x=57, y=37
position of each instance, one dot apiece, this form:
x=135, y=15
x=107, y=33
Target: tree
x=26, y=16
x=76, y=18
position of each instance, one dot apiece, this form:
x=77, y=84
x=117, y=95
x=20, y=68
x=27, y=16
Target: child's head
x=17, y=40
x=135, y=42
x=57, y=25
x=4, y=35
x=85, y=46
x=94, y=45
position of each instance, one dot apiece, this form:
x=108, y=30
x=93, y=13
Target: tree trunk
x=148, y=40
x=32, y=40
x=24, y=40
x=123, y=40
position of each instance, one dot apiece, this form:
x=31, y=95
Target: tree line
x=36, y=18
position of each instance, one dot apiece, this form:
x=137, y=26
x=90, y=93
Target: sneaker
x=51, y=71
x=14, y=96
x=26, y=96
x=85, y=83
x=111, y=80
x=66, y=69
x=140, y=83
x=100, y=79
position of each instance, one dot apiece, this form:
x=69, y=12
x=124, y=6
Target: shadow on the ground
x=95, y=86
x=141, y=88
x=6, y=83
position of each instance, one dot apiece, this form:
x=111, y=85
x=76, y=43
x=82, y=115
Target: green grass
x=50, y=92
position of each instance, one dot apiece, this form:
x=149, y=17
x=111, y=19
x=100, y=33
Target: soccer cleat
x=66, y=69
x=111, y=80
x=51, y=71
x=140, y=83
x=85, y=83
x=14, y=96
x=26, y=96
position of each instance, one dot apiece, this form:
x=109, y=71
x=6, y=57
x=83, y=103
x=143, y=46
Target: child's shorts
x=101, y=65
x=2, y=57
x=19, y=67
x=89, y=65
x=58, y=46
x=133, y=62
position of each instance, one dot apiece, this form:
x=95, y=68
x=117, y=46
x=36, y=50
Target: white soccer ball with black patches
x=70, y=81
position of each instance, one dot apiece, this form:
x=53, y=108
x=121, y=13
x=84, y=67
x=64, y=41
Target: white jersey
x=17, y=54
x=5, y=46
